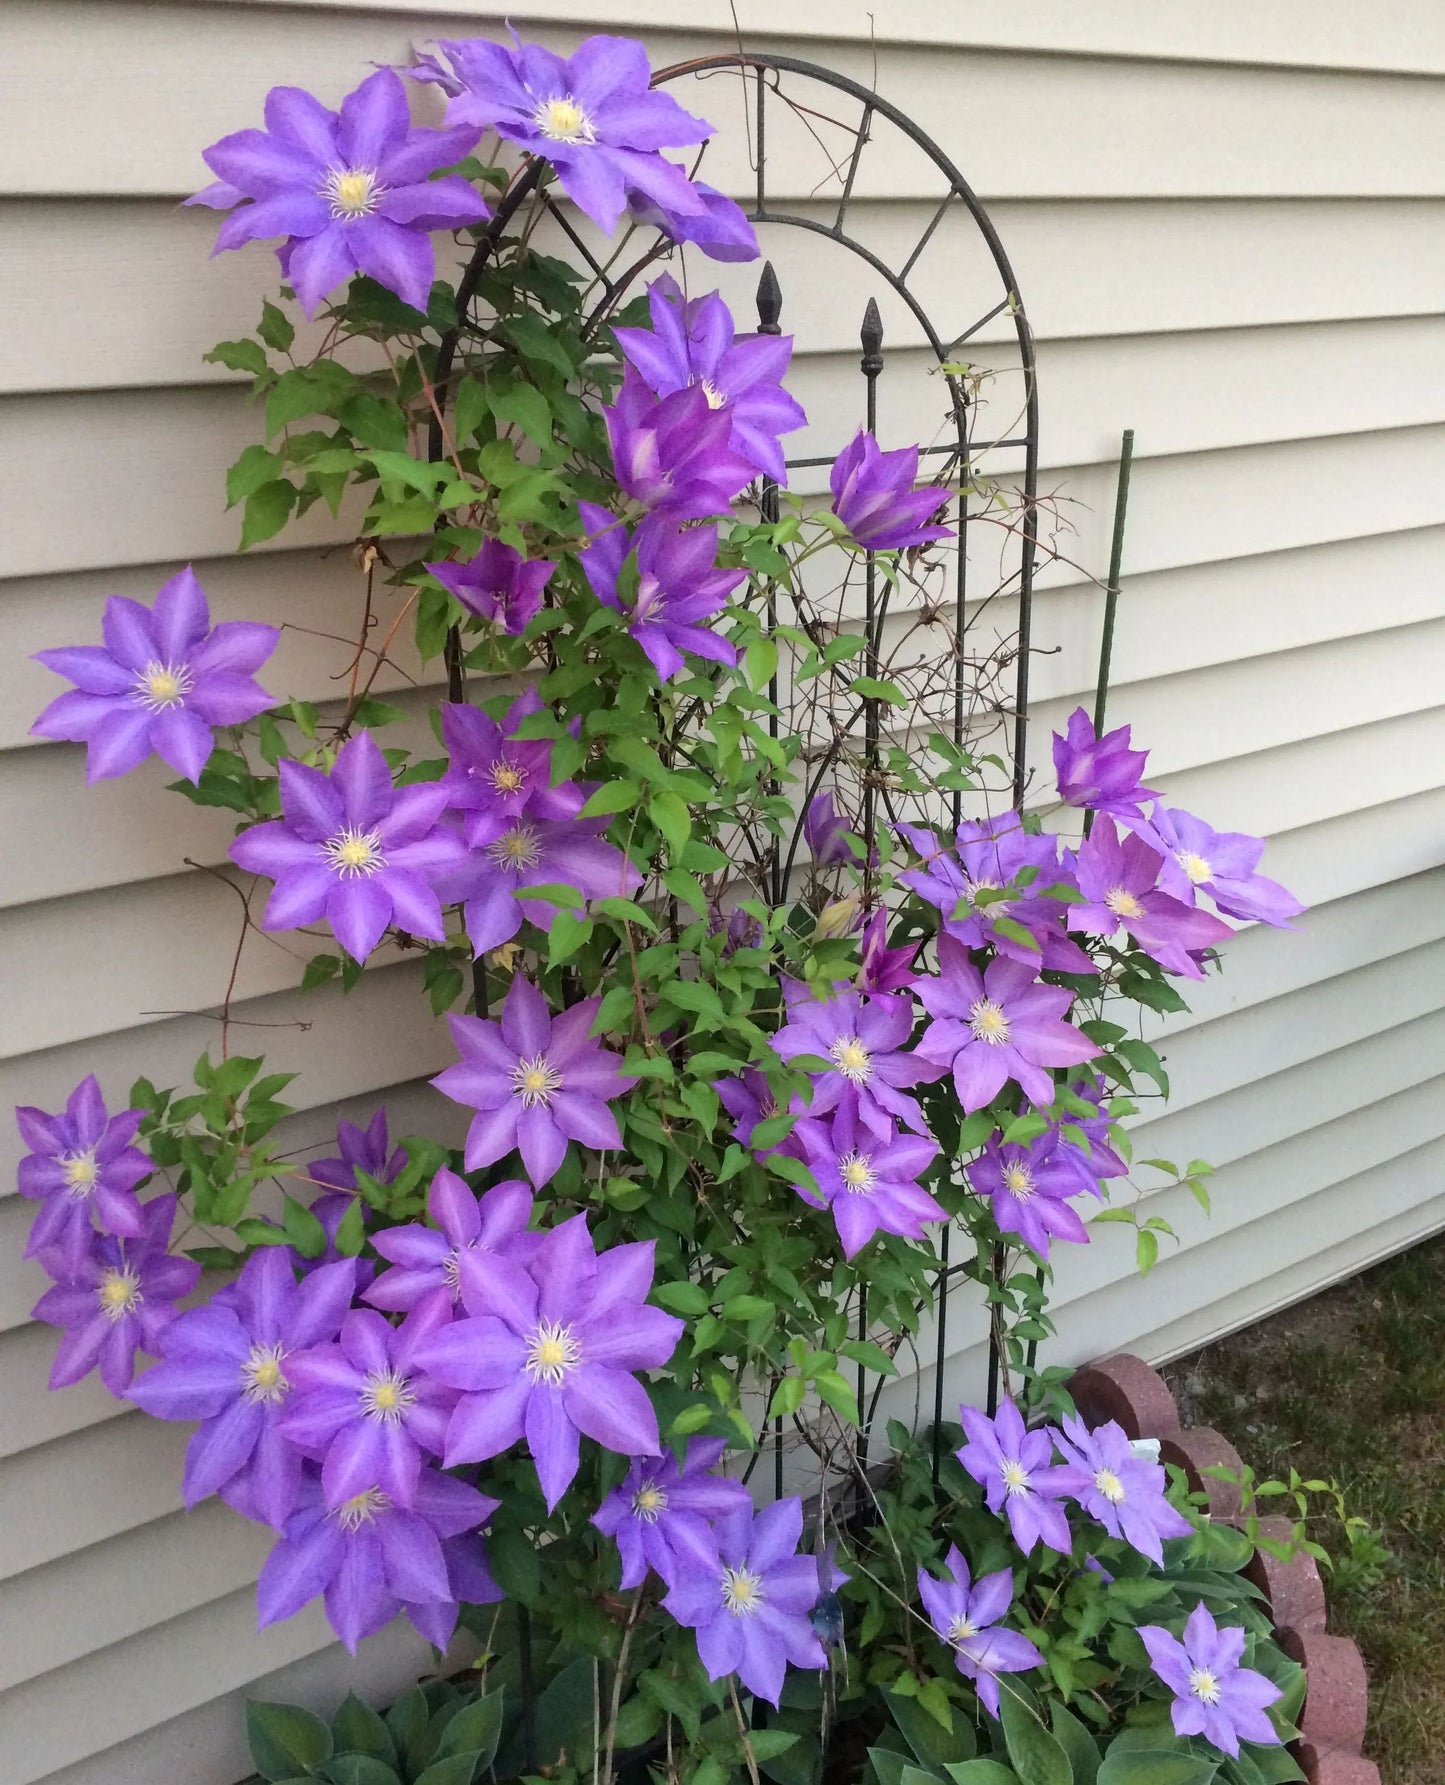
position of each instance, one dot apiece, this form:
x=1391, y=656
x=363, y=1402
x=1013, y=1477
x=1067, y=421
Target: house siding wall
x=1229, y=229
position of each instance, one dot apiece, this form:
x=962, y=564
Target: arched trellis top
x=766, y=73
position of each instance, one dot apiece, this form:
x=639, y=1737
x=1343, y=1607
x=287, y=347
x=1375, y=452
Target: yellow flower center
x=162, y=685
x=852, y=1059
x=516, y=848
x=742, y=1593
x=1204, y=1685
x=352, y=192
x=361, y=1509
x=80, y=1171
x=551, y=1352
x=1110, y=1486
x=857, y=1173
x=988, y=1022
x=648, y=1501
x=1015, y=1476
x=716, y=399
x=262, y=1375
x=562, y=120
x=386, y=1395
x=507, y=777
x=535, y=1081
x=354, y=852
x=961, y=1629
x=1196, y=869
x=118, y=1292
x=1122, y=902
x=1018, y=1181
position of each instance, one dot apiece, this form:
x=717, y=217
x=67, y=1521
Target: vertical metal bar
x=998, y=1262
x=1027, y=551
x=529, y=1703
x=770, y=308
x=1111, y=591
x=862, y=1378
x=871, y=337
x=941, y=1350
x=778, y=1458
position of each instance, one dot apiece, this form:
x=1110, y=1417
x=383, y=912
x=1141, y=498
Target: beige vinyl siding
x=1229, y=228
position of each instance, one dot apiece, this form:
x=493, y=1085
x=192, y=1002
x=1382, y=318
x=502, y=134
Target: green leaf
x=1147, y=1766
x=476, y=1729
x=788, y=1397
x=760, y=663
x=610, y=797
x=359, y=1769
x=239, y=356
x=285, y=1739
x=981, y=1772
x=456, y=1769
x=267, y=511
x=358, y=1729
x=525, y=407
x=1074, y=1738
x=682, y=1298
x=275, y=328
x=566, y=936
x=931, y=1741
x=1037, y=1757
x=671, y=817
x=468, y=410
x=536, y=342
x=256, y=466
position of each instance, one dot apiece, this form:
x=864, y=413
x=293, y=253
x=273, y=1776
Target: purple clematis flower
x=370, y=1558
x=353, y=849
x=967, y=1618
x=752, y=1615
x=825, y=830
x=861, y=1034
x=1213, y=1695
x=672, y=454
x=874, y=497
x=693, y=343
x=1115, y=1485
x=868, y=1178
x=662, y=1515
x=536, y=1082
x=364, y=1409
x=1029, y=1187
x=1117, y=876
x=424, y=1260
x=988, y=857
x=119, y=1300
x=996, y=1025
x=499, y=585
x=495, y=777
x=1098, y=1159
x=1100, y=773
x=1015, y=1469
x=885, y=969
x=721, y=228
x=349, y=191
x=228, y=1366
x=679, y=587
x=359, y=1150
x=161, y=680
x=1220, y=863
x=549, y=1353
x=748, y=1099
x=593, y=115
x=80, y=1161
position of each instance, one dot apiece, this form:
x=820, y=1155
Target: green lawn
x=1351, y=1386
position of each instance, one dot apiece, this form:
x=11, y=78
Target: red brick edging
x=1332, y=1725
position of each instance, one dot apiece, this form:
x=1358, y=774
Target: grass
x=1351, y=1387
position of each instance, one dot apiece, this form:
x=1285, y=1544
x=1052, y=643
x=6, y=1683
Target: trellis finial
x=871, y=335
x=770, y=301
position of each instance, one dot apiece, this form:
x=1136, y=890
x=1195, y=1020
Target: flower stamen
x=742, y=1592
x=989, y=1024
x=162, y=685
x=551, y=1352
x=856, y=1171
x=1110, y=1486
x=648, y=1502
x=118, y=1292
x=262, y=1374
x=386, y=1395
x=1122, y=902
x=562, y=120
x=361, y=1508
x=535, y=1081
x=852, y=1059
x=352, y=192
x=517, y=848
x=80, y=1171
x=354, y=852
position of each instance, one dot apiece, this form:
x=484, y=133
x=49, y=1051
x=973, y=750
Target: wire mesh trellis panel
x=884, y=266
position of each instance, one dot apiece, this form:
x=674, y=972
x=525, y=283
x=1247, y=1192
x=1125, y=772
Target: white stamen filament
x=562, y=120
x=1204, y=1685
x=648, y=1502
x=1196, y=869
x=352, y=192
x=162, y=685
x=551, y=1352
x=354, y=852
x=535, y=1081
x=262, y=1374
x=852, y=1059
x=742, y=1592
x=361, y=1509
x=386, y=1395
x=1110, y=1486
x=1122, y=902
x=516, y=848
x=856, y=1171
x=1015, y=1478
x=118, y=1292
x=80, y=1171
x=988, y=1022
x=1018, y=1182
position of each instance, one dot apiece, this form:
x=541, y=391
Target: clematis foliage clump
x=609, y=1376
